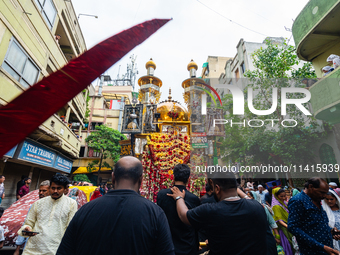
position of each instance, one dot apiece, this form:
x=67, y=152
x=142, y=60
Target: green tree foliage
x=275, y=67
x=104, y=140
x=81, y=178
x=87, y=112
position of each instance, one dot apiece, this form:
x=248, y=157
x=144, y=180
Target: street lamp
x=87, y=15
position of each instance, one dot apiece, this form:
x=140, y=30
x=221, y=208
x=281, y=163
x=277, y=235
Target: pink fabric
x=337, y=191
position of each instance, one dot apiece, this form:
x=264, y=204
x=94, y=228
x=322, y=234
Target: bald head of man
x=128, y=173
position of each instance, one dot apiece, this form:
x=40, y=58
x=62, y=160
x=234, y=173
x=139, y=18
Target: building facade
x=212, y=69
x=316, y=35
x=106, y=107
x=236, y=67
x=36, y=39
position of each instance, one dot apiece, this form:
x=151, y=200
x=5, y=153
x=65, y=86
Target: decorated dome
x=150, y=63
x=165, y=107
x=191, y=65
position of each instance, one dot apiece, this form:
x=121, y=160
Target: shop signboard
x=36, y=153
x=199, y=140
x=63, y=164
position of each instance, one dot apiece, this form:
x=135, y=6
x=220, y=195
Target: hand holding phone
x=28, y=232
x=336, y=234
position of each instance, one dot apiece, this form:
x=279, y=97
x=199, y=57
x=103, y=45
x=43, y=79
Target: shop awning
x=83, y=170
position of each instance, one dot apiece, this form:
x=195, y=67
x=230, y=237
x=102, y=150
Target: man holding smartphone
x=48, y=218
x=44, y=191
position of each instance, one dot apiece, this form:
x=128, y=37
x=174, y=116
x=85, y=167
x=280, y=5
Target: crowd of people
x=228, y=219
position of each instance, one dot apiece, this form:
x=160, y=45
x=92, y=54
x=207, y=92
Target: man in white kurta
x=50, y=217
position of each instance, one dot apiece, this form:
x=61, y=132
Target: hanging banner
x=25, y=113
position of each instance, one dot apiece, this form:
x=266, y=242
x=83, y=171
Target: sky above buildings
x=200, y=28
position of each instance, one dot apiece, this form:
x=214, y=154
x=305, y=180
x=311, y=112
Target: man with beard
x=49, y=217
x=234, y=225
x=20, y=184
x=44, y=191
x=25, y=189
x=129, y=224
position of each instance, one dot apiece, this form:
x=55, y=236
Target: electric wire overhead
x=231, y=20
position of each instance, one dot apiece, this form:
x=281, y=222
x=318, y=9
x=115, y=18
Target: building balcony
x=57, y=134
x=325, y=98
x=80, y=102
x=316, y=30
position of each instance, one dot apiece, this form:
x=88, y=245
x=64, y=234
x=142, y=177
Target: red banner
x=25, y=113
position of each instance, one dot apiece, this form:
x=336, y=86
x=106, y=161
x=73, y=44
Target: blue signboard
x=36, y=153
x=63, y=164
x=11, y=152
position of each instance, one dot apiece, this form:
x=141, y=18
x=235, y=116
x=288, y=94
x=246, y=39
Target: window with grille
x=18, y=64
x=47, y=10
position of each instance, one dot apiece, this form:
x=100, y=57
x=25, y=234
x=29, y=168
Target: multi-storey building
x=37, y=38
x=106, y=106
x=316, y=35
x=236, y=67
x=212, y=69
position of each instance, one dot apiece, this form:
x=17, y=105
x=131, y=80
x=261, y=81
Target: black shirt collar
x=122, y=192
x=180, y=186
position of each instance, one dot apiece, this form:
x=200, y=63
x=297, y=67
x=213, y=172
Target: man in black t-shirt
x=121, y=222
x=209, y=196
x=184, y=237
x=234, y=225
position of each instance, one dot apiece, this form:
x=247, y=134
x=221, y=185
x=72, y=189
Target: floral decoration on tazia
x=173, y=115
x=168, y=150
x=165, y=151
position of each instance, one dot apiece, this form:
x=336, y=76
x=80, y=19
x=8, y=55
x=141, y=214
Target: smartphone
x=336, y=233
x=29, y=233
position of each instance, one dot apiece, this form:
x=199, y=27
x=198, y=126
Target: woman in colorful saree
x=271, y=241
x=281, y=213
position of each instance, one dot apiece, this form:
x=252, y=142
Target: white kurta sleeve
x=31, y=218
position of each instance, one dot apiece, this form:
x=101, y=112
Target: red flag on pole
x=25, y=113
